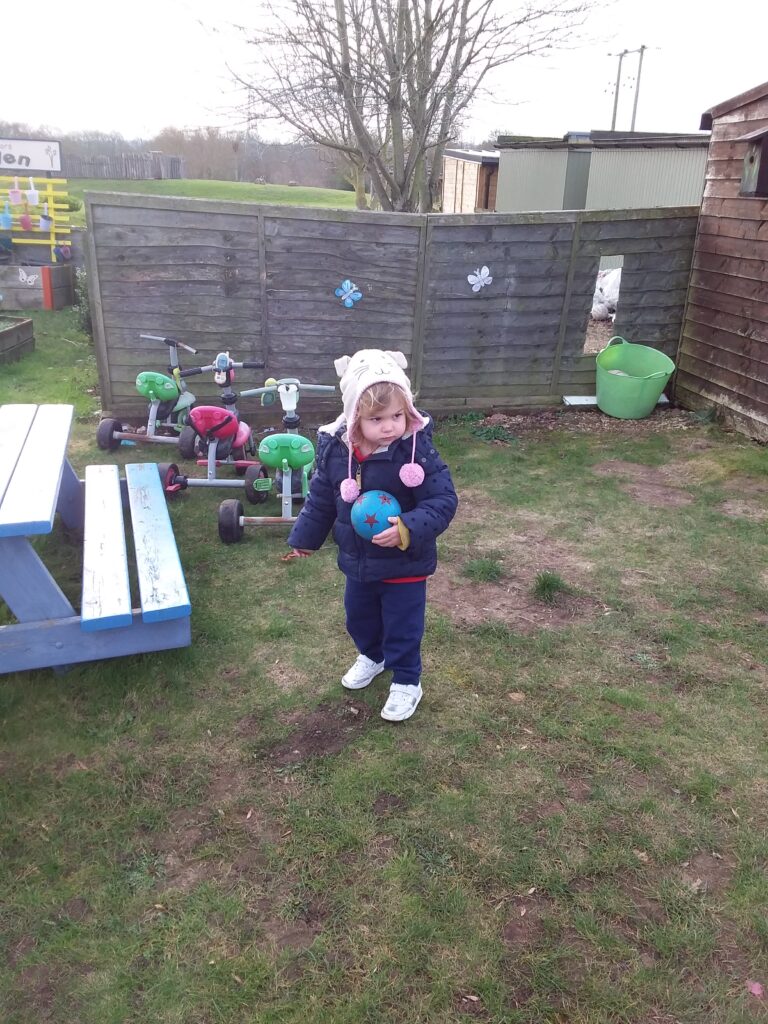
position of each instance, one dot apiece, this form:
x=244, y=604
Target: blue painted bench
x=33, y=488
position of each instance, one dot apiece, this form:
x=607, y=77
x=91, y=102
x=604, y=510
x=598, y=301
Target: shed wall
x=723, y=359
x=626, y=178
x=531, y=179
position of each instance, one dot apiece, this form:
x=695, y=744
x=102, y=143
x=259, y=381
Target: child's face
x=387, y=425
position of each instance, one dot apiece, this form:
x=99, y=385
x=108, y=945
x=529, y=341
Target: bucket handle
x=618, y=339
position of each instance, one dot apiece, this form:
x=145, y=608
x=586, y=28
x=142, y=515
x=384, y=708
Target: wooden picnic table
x=37, y=482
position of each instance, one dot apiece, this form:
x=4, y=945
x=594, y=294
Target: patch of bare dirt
x=296, y=933
x=37, y=983
x=19, y=949
x=707, y=872
x=191, y=829
x=646, y=484
x=386, y=803
x=524, y=925
x=469, y=1004
x=599, y=333
x=326, y=730
x=523, y=548
x=741, y=508
x=590, y=421
x=509, y=601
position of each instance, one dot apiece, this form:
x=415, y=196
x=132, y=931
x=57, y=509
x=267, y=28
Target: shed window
x=754, y=176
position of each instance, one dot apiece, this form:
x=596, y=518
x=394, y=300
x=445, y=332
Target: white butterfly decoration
x=28, y=279
x=480, y=278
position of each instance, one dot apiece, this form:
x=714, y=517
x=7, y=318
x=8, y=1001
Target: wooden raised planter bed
x=17, y=337
x=29, y=287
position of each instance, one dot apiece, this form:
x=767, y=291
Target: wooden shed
x=723, y=355
x=470, y=178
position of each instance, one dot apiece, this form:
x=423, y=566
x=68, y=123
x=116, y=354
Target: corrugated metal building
x=601, y=171
x=469, y=180
x=723, y=357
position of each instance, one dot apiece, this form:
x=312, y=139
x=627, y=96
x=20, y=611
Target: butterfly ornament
x=348, y=293
x=27, y=279
x=480, y=278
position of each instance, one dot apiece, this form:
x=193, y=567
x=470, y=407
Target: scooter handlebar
x=174, y=342
x=271, y=389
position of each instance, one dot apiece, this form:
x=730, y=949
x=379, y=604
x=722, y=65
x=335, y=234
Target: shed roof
x=750, y=96
x=610, y=140
x=478, y=156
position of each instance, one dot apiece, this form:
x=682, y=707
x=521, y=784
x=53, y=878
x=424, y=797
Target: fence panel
x=260, y=281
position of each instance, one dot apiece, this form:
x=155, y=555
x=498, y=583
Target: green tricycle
x=290, y=455
x=169, y=404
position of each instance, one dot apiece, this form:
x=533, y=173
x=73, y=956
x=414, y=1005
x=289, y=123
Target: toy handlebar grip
x=168, y=341
x=318, y=389
x=253, y=364
x=191, y=372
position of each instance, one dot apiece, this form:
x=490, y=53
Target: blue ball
x=371, y=511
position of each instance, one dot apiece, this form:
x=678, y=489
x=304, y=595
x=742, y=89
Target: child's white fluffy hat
x=359, y=372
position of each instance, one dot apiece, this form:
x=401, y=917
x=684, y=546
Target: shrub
x=72, y=203
x=82, y=303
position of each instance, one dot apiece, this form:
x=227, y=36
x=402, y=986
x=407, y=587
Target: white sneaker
x=402, y=702
x=363, y=672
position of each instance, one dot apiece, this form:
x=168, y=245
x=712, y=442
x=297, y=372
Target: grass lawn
x=573, y=827
x=244, y=192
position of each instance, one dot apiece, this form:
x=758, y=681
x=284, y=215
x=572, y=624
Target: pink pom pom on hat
x=359, y=372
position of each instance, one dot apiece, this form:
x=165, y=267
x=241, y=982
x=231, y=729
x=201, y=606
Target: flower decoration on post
x=480, y=278
x=348, y=293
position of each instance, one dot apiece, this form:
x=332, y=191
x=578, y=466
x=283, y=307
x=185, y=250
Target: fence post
x=419, y=319
x=554, y=387
x=262, y=242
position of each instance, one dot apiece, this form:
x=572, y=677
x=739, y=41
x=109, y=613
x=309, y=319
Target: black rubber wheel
x=187, y=439
x=105, y=435
x=230, y=527
x=169, y=478
x=255, y=472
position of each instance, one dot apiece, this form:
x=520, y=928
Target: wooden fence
x=260, y=282
x=136, y=166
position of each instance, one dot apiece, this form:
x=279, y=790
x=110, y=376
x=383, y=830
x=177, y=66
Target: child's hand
x=388, y=538
x=296, y=553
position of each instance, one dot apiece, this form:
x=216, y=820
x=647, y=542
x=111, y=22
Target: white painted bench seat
x=106, y=598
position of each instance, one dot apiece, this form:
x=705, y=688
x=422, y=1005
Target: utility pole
x=621, y=57
x=616, y=89
x=641, y=51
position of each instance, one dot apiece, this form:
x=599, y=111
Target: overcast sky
x=162, y=62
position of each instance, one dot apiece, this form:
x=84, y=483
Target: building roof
x=478, y=156
x=750, y=96
x=610, y=140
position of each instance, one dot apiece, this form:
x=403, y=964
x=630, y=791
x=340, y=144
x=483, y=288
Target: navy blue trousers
x=386, y=622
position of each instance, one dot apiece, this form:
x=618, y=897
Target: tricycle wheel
x=170, y=478
x=187, y=439
x=253, y=473
x=105, y=434
x=230, y=527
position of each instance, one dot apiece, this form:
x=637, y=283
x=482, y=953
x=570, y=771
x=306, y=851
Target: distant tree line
x=208, y=153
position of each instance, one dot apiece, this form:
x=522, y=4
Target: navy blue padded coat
x=426, y=510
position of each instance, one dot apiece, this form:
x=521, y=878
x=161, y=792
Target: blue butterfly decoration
x=348, y=293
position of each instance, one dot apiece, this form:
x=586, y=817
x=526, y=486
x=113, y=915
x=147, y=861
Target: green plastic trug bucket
x=630, y=379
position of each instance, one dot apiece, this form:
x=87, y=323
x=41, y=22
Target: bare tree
x=385, y=83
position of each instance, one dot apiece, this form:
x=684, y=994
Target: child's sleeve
x=436, y=503
x=317, y=515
